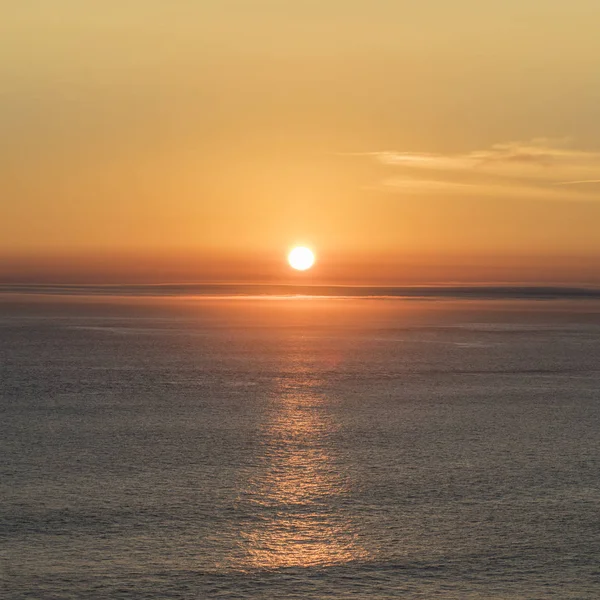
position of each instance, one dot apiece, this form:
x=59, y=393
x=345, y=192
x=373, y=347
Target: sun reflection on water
x=299, y=492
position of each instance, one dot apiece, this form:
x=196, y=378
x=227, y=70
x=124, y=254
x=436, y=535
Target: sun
x=301, y=258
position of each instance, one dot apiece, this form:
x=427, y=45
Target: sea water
x=303, y=448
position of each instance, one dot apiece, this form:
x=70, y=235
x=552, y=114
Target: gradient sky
x=406, y=142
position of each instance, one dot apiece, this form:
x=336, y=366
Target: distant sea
x=327, y=444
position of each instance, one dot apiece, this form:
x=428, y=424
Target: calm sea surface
x=299, y=448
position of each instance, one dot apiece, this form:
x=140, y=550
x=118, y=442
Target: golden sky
x=406, y=142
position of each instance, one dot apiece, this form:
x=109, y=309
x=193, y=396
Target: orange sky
x=428, y=142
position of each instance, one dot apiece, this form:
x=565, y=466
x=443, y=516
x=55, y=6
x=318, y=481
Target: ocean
x=299, y=448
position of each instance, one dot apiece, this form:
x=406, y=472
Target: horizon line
x=287, y=290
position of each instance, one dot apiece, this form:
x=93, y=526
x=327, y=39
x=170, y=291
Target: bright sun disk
x=301, y=258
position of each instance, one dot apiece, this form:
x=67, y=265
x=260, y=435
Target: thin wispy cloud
x=531, y=169
x=585, y=181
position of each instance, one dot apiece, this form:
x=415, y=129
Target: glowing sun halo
x=301, y=258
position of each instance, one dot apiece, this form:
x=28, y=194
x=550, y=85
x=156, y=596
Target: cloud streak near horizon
x=535, y=169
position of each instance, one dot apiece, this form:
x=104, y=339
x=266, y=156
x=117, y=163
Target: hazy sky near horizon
x=404, y=141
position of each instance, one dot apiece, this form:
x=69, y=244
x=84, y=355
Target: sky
x=429, y=142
